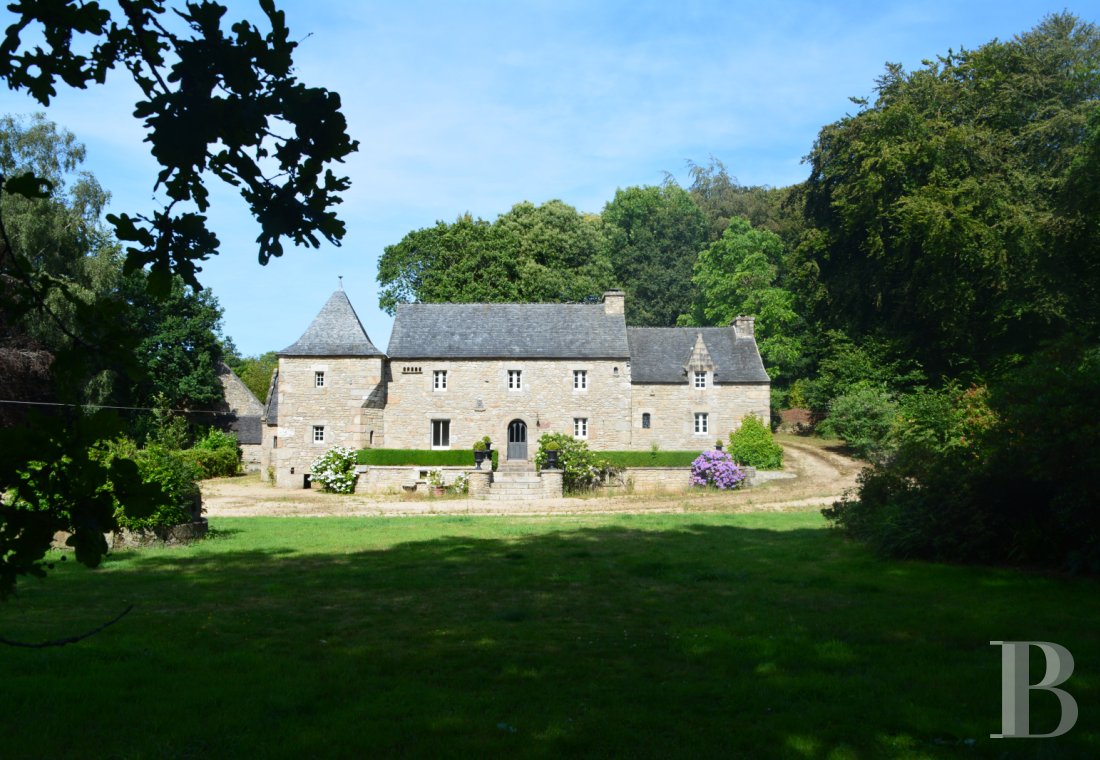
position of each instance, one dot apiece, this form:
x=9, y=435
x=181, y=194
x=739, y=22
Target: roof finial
x=340, y=277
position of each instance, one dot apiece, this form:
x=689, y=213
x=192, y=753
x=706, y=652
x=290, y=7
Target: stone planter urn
x=480, y=456
x=551, y=459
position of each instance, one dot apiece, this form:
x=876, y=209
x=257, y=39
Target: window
x=700, y=379
x=580, y=379
x=318, y=379
x=580, y=427
x=515, y=379
x=701, y=426
x=441, y=434
x=411, y=370
x=318, y=433
x=646, y=421
x=439, y=380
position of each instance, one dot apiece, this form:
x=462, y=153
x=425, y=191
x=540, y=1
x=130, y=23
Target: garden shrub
x=716, y=469
x=335, y=470
x=1006, y=474
x=752, y=445
x=865, y=418
x=174, y=476
x=420, y=457
x=582, y=469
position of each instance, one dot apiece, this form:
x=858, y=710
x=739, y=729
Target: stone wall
x=672, y=411
x=478, y=402
x=391, y=480
x=345, y=407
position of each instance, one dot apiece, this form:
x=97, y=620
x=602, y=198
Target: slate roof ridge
x=335, y=331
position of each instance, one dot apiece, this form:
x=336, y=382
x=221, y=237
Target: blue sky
x=475, y=106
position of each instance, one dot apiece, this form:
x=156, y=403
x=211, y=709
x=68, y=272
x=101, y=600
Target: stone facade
x=672, y=411
x=477, y=401
x=455, y=373
x=314, y=418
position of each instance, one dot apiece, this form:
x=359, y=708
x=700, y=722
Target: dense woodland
x=930, y=291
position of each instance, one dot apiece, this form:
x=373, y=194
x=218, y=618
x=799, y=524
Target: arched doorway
x=517, y=439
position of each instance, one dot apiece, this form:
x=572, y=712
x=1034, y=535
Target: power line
x=105, y=406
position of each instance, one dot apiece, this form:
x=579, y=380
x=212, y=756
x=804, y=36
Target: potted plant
x=480, y=453
x=488, y=443
x=551, y=448
x=435, y=480
x=718, y=444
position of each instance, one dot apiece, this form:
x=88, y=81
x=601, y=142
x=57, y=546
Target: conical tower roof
x=335, y=331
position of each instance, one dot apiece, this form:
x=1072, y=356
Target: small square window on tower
x=700, y=379
x=318, y=379
x=580, y=379
x=515, y=379
x=318, y=433
x=439, y=380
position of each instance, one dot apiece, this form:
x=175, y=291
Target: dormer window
x=700, y=379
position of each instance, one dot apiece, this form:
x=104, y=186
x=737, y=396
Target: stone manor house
x=454, y=373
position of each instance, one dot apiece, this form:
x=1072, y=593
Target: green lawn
x=652, y=636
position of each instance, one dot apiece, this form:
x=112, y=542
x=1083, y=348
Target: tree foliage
x=655, y=234
x=936, y=208
x=215, y=102
x=548, y=253
x=739, y=274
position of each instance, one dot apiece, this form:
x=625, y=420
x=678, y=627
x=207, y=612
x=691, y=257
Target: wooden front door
x=517, y=439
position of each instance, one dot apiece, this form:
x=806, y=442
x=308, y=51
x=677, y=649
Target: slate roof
x=335, y=331
x=248, y=429
x=271, y=408
x=507, y=331
x=659, y=354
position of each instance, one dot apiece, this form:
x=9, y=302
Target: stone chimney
x=614, y=302
x=744, y=327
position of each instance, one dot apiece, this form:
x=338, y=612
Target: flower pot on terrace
x=551, y=459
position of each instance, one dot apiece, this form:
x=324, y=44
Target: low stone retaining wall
x=173, y=536
x=177, y=535
x=395, y=479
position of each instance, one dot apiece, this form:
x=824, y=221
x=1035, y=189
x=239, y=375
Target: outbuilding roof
x=507, y=331
x=661, y=354
x=335, y=331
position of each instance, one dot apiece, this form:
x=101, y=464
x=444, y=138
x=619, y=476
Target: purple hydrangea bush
x=716, y=469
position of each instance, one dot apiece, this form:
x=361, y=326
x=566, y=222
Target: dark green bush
x=752, y=445
x=1007, y=475
x=173, y=474
x=865, y=418
x=421, y=457
x=213, y=463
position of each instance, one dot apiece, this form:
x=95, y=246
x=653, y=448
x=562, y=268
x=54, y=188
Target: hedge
x=649, y=458
x=420, y=457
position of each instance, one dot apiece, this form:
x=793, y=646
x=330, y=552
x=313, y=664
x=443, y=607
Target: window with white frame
x=318, y=379
x=441, y=434
x=580, y=427
x=515, y=379
x=647, y=421
x=318, y=433
x=702, y=424
x=439, y=380
x=580, y=379
x=700, y=379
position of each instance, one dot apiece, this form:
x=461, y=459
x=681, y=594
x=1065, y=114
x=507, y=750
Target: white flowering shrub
x=335, y=470
x=460, y=485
